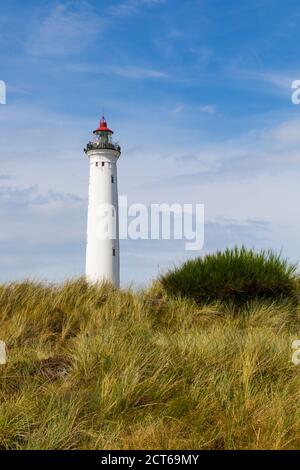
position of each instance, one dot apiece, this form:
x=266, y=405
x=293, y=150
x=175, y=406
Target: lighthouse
x=102, y=251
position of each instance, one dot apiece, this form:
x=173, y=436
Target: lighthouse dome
x=103, y=126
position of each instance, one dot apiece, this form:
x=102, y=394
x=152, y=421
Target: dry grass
x=96, y=368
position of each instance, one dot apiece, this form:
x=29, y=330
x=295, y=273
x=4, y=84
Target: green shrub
x=234, y=276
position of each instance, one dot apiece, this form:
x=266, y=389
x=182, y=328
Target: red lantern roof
x=103, y=126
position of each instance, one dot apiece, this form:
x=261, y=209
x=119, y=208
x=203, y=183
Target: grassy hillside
x=97, y=368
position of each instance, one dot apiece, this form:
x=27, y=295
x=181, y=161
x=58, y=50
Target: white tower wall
x=102, y=254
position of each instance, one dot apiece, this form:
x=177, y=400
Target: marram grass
x=97, y=368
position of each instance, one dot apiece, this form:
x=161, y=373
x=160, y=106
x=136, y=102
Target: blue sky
x=198, y=93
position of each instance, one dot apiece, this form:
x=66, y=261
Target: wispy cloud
x=32, y=196
x=45, y=236
x=67, y=28
x=271, y=80
x=268, y=151
x=129, y=7
x=125, y=71
x=206, y=108
x=137, y=72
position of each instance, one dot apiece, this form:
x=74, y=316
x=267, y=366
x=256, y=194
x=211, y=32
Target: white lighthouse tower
x=102, y=253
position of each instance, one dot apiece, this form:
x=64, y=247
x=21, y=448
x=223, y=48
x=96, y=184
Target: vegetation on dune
x=98, y=368
x=234, y=276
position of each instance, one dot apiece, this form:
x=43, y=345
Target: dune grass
x=97, y=368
